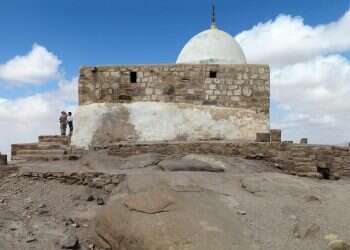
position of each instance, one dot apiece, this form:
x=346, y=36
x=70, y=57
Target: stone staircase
x=48, y=148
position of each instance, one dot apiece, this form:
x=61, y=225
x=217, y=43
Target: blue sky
x=132, y=32
x=108, y=32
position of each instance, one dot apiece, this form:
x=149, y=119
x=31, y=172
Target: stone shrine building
x=210, y=102
x=211, y=93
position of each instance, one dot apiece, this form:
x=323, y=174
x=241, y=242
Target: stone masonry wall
x=238, y=86
x=297, y=159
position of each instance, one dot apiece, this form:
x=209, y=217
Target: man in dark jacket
x=63, y=123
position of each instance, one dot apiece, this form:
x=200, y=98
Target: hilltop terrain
x=179, y=203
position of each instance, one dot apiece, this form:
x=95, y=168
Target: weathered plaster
x=101, y=124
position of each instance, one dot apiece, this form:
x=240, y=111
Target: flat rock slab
x=141, y=161
x=212, y=160
x=150, y=202
x=157, y=217
x=189, y=165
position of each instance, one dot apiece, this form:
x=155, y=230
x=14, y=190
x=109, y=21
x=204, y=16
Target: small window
x=133, y=77
x=212, y=74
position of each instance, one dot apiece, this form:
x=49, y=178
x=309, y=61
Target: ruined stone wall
x=237, y=86
x=92, y=179
x=296, y=159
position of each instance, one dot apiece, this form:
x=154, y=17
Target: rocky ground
x=179, y=203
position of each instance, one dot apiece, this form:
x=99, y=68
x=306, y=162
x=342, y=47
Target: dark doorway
x=325, y=173
x=133, y=77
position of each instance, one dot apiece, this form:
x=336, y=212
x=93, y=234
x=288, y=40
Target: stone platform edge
x=322, y=161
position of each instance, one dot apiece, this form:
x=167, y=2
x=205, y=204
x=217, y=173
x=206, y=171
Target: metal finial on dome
x=213, y=16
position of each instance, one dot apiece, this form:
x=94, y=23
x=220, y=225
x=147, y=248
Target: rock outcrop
x=130, y=202
x=168, y=212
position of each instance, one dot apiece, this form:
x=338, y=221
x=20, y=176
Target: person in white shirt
x=70, y=123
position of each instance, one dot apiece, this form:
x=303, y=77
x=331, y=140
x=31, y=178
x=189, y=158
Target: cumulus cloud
x=315, y=96
x=287, y=40
x=320, y=85
x=36, y=67
x=23, y=119
x=68, y=90
x=310, y=78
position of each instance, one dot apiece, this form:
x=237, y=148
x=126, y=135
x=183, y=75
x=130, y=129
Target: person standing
x=63, y=123
x=70, y=123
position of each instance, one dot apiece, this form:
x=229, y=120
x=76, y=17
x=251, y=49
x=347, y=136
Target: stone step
x=48, y=146
x=53, y=137
x=24, y=146
x=49, y=152
x=56, y=139
x=35, y=146
x=16, y=162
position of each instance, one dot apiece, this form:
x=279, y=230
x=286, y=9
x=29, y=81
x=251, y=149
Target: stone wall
x=303, y=160
x=237, y=86
x=171, y=102
x=91, y=179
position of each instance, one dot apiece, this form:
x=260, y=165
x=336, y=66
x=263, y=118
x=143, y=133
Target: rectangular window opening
x=133, y=77
x=212, y=74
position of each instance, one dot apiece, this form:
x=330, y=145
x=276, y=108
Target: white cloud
x=319, y=86
x=287, y=40
x=310, y=79
x=23, y=119
x=68, y=90
x=37, y=67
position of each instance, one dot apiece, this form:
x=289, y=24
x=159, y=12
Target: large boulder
x=152, y=212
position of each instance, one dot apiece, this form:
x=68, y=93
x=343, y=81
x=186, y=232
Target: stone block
x=237, y=92
x=149, y=91
x=115, y=74
x=263, y=137
x=247, y=91
x=276, y=135
x=212, y=86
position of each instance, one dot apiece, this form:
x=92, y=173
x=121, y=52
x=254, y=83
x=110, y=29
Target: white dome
x=212, y=46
